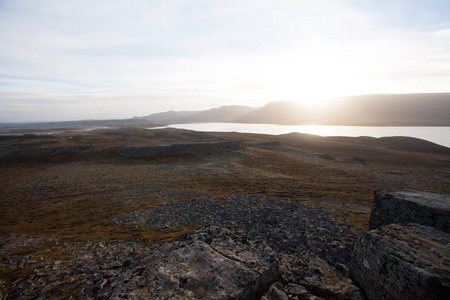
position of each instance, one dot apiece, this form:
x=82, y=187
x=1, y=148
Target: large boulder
x=410, y=206
x=307, y=270
x=209, y=263
x=401, y=261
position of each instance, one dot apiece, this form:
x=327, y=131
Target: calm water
x=438, y=135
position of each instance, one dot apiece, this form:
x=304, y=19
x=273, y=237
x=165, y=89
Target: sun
x=316, y=79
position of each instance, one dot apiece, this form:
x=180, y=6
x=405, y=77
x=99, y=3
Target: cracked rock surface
x=401, y=261
x=209, y=263
x=311, y=247
x=411, y=206
x=249, y=247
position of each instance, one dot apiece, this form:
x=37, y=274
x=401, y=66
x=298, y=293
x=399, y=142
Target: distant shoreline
x=436, y=134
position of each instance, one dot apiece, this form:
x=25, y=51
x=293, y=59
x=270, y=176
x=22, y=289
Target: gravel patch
x=281, y=224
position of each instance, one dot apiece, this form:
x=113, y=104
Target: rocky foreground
x=254, y=247
x=248, y=246
x=406, y=254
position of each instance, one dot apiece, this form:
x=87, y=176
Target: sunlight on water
x=438, y=135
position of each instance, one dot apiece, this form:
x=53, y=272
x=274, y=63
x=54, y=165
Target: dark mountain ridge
x=403, y=109
x=220, y=114
x=365, y=110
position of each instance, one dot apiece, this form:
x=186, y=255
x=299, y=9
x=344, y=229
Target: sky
x=103, y=59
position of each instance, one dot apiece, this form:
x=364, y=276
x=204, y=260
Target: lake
x=438, y=135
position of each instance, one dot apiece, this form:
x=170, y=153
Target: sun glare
x=313, y=79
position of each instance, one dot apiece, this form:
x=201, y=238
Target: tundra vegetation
x=67, y=195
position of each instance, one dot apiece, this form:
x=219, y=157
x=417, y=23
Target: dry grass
x=76, y=200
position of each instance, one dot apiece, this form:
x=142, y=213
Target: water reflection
x=438, y=135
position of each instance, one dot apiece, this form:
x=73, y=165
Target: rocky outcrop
x=313, y=249
x=407, y=259
x=209, y=263
x=38, y=151
x=281, y=224
x=181, y=149
x=400, y=261
x=410, y=206
x=252, y=247
x=316, y=276
x=23, y=145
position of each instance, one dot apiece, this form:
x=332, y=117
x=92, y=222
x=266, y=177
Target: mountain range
x=367, y=110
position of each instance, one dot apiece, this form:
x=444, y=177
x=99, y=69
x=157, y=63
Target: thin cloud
x=152, y=56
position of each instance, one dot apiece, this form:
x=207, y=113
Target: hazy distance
x=368, y=110
x=74, y=60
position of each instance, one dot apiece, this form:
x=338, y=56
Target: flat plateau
x=63, y=193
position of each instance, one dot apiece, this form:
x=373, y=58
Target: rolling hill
x=366, y=110
x=220, y=114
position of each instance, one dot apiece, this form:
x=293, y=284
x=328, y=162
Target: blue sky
x=70, y=60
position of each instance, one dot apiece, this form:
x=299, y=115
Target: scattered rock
x=248, y=244
x=181, y=149
x=410, y=206
x=281, y=224
x=400, y=261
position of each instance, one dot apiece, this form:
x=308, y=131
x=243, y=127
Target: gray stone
x=400, y=261
x=297, y=290
x=275, y=293
x=410, y=206
x=209, y=263
x=306, y=270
